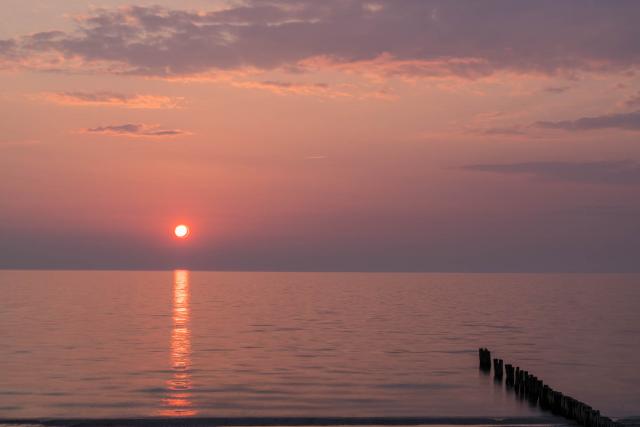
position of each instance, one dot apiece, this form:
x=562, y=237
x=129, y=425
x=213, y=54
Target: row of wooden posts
x=528, y=386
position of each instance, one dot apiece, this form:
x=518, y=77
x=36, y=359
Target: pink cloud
x=112, y=99
x=135, y=130
x=410, y=38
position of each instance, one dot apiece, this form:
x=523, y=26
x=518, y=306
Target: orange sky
x=359, y=135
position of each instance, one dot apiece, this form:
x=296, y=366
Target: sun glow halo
x=181, y=231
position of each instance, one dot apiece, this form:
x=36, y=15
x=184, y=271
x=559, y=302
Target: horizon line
x=125, y=269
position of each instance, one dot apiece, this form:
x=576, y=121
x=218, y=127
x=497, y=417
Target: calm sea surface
x=125, y=344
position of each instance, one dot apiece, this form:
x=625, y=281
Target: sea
x=138, y=344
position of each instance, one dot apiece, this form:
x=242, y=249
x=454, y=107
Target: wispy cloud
x=111, y=99
x=413, y=37
x=633, y=101
x=618, y=172
x=556, y=89
x=503, y=131
x=294, y=88
x=135, y=130
x=627, y=121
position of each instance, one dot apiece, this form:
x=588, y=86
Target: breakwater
x=528, y=386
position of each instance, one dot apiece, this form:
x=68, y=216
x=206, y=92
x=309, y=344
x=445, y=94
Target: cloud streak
x=618, y=172
x=503, y=131
x=111, y=99
x=411, y=37
x=625, y=121
x=556, y=89
x=135, y=130
x=633, y=101
x=322, y=90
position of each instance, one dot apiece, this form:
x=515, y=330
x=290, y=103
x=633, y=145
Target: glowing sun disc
x=181, y=231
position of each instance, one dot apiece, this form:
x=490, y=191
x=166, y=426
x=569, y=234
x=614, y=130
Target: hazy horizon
x=370, y=271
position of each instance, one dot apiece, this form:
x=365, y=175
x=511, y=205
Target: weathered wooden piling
x=510, y=374
x=497, y=369
x=556, y=407
x=485, y=359
x=525, y=384
x=536, y=386
x=521, y=384
x=539, y=385
x=544, y=401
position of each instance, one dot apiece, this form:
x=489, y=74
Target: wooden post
x=485, y=359
x=533, y=389
x=497, y=369
x=544, y=400
x=509, y=369
x=556, y=408
x=543, y=396
x=564, y=406
x=539, y=389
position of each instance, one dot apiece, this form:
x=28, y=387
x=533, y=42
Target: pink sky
x=305, y=135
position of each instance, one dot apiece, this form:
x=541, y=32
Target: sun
x=181, y=231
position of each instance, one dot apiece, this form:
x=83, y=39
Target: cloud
x=627, y=121
x=284, y=88
x=412, y=37
x=503, y=131
x=556, y=89
x=135, y=130
x=618, y=172
x=633, y=101
x=105, y=98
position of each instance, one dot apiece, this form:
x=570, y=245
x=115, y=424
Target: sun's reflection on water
x=178, y=402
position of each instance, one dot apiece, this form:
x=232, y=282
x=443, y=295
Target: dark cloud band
x=619, y=172
x=426, y=37
x=627, y=121
x=131, y=129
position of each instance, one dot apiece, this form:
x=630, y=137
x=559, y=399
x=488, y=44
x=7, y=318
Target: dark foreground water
x=131, y=344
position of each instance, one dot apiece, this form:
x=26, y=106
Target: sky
x=342, y=135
